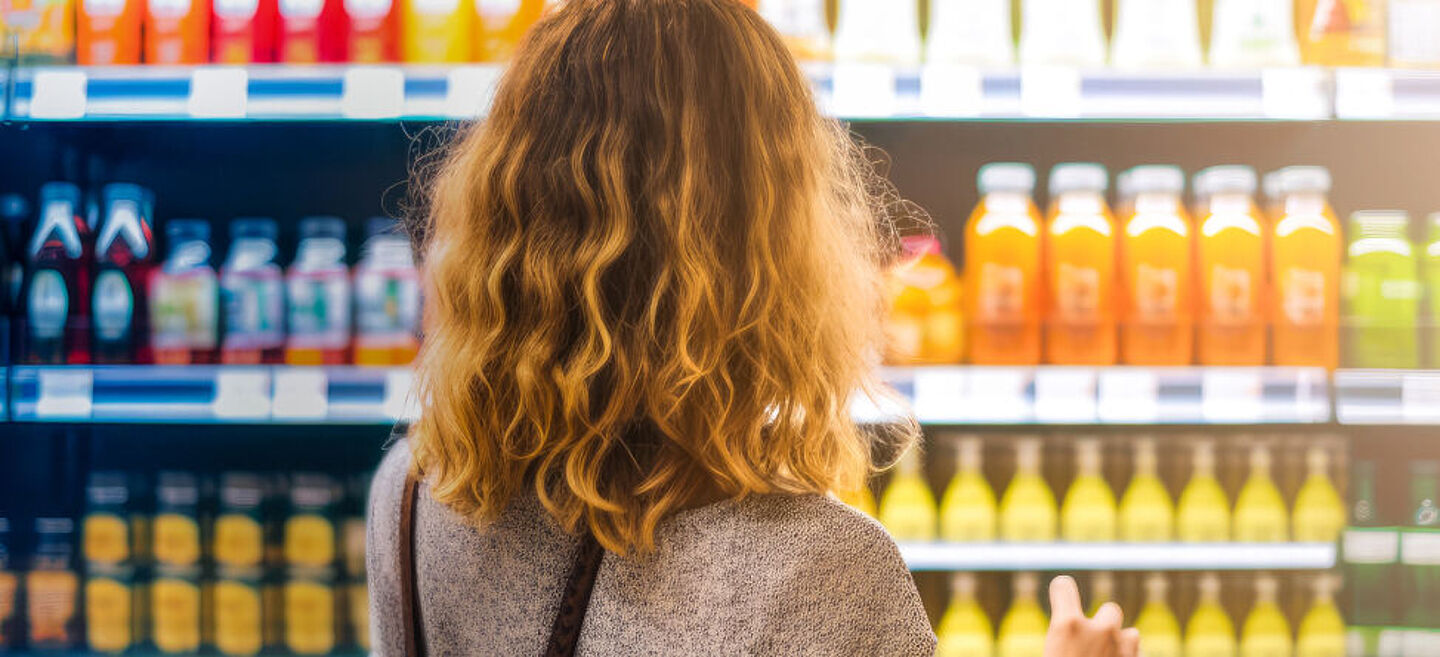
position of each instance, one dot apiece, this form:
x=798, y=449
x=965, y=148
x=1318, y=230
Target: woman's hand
x=1073, y=635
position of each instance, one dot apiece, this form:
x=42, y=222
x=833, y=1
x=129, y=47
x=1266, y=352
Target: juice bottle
x=1266, y=633
x=1209, y=633
x=925, y=322
x=1342, y=32
x=436, y=31
x=57, y=288
x=185, y=298
x=907, y=507
x=177, y=32
x=318, y=295
x=967, y=510
x=49, y=37
x=970, y=32
x=1157, y=320
x=238, y=547
x=1319, y=514
x=372, y=34
x=1231, y=258
x=108, y=32
x=964, y=630
x=1102, y=590
x=1022, y=630
x=1080, y=268
x=1322, y=630
x=52, y=587
x=1253, y=34
x=879, y=31
x=123, y=257
x=1159, y=630
x=1274, y=200
x=1062, y=32
x=1381, y=291
x=1259, y=510
x=311, y=31
x=803, y=25
x=176, y=590
x=9, y=591
x=244, y=31
x=311, y=548
x=387, y=298
x=1027, y=509
x=1203, y=513
x=1163, y=34
x=1088, y=514
x=1003, y=243
x=502, y=23
x=1431, y=265
x=1146, y=514
x=1305, y=261
x=253, y=290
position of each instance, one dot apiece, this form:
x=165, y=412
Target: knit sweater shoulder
x=763, y=575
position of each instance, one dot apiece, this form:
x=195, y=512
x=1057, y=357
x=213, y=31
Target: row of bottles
x=1210, y=630
x=1148, y=510
x=1392, y=561
x=77, y=297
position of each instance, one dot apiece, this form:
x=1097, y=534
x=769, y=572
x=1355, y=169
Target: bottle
x=57, y=288
x=1159, y=630
x=177, y=32
x=1412, y=42
x=1319, y=514
x=112, y=594
x=1253, y=34
x=1203, y=513
x=1343, y=32
x=318, y=295
x=244, y=31
x=108, y=32
x=311, y=539
x=1370, y=552
x=1231, y=259
x=1209, y=633
x=1088, y=514
x=967, y=510
x=878, y=31
x=185, y=298
x=907, y=508
x=387, y=298
x=964, y=630
x=1080, y=264
x=1259, y=509
x=1322, y=630
x=311, y=31
x=14, y=213
x=1157, y=317
x=1062, y=32
x=371, y=37
x=803, y=26
x=925, y=324
x=50, y=38
x=1022, y=630
x=253, y=290
x=1027, y=509
x=1419, y=552
x=1003, y=243
x=436, y=31
x=1431, y=264
x=1274, y=199
x=176, y=587
x=52, y=588
x=502, y=23
x=1101, y=591
x=1266, y=633
x=970, y=33
x=1381, y=292
x=1146, y=513
x=1305, y=261
x=123, y=257
x=1157, y=34
x=239, y=552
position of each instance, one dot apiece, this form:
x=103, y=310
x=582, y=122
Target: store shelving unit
x=1386, y=397
x=1117, y=556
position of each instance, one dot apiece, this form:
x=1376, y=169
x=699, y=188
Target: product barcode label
x=58, y=94
x=373, y=92
x=218, y=92
x=1050, y=92
x=65, y=393
x=951, y=91
x=1232, y=395
x=1129, y=396
x=1065, y=395
x=939, y=395
x=301, y=394
x=997, y=394
x=1420, y=548
x=242, y=394
x=864, y=91
x=1370, y=546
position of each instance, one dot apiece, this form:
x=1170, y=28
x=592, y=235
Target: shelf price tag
x=940, y=395
x=400, y=402
x=1420, y=547
x=1065, y=395
x=1370, y=546
x=373, y=92
x=1420, y=397
x=1232, y=395
x=1050, y=92
x=1129, y=396
x=863, y=91
x=998, y=394
x=58, y=94
x=242, y=394
x=219, y=92
x=469, y=90
x=65, y=393
x=951, y=91
x=1294, y=93
x=301, y=393
x=1364, y=93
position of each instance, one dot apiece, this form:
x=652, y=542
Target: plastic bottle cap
x=1380, y=223
x=14, y=207
x=969, y=452
x=1425, y=468
x=1102, y=585
x=1266, y=588
x=1026, y=584
x=1210, y=587
x=1229, y=179
x=962, y=585
x=253, y=228
x=1087, y=455
x=1145, y=456
x=1006, y=177
x=381, y=226
x=1027, y=454
x=1156, y=178
x=1204, y=456
x=1124, y=188
x=54, y=525
x=1259, y=459
x=1300, y=180
x=1270, y=185
x=910, y=461
x=123, y=191
x=1078, y=176
x=186, y=230
x=1156, y=587
x=322, y=227
x=60, y=191
x=1317, y=460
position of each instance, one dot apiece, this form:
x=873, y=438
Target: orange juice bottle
x=436, y=31
x=1002, y=255
x=45, y=29
x=1305, y=261
x=1080, y=285
x=502, y=23
x=1157, y=317
x=108, y=32
x=177, y=32
x=1230, y=254
x=925, y=325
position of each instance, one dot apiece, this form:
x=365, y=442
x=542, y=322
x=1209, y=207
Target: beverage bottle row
x=1028, y=510
x=1212, y=629
x=1392, y=561
x=105, y=299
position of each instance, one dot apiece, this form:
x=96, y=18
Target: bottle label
x=106, y=538
x=387, y=307
x=176, y=616
x=319, y=311
x=309, y=617
x=1304, y=296
x=239, y=541
x=254, y=309
x=108, y=615
x=1420, y=548
x=309, y=541
x=183, y=310
x=51, y=605
x=1361, y=546
x=1157, y=292
x=1077, y=293
x=49, y=305
x=114, y=305
x=1266, y=645
x=239, y=628
x=1231, y=295
x=177, y=540
x=1002, y=293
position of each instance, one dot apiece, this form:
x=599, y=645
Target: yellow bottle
x=1322, y=631
x=1259, y=510
x=1146, y=514
x=1027, y=510
x=1209, y=632
x=1203, y=513
x=1319, y=514
x=907, y=507
x=436, y=31
x=1102, y=590
x=501, y=25
x=1159, y=630
x=967, y=510
x=1088, y=514
x=964, y=630
x=863, y=500
x=1266, y=633
x=1022, y=631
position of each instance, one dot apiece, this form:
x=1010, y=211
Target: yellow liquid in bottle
x=1159, y=630
x=1259, y=510
x=1319, y=514
x=1027, y=510
x=863, y=500
x=1146, y=514
x=1322, y=631
x=907, y=507
x=1266, y=633
x=967, y=510
x=964, y=630
x=1210, y=632
x=1088, y=514
x=1022, y=631
x=1203, y=513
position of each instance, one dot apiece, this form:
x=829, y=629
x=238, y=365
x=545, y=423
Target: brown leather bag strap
x=409, y=596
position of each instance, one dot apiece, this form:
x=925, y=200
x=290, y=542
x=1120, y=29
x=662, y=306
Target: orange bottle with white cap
x=108, y=32
x=1080, y=285
x=501, y=24
x=177, y=32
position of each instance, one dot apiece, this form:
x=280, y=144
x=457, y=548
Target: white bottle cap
x=1025, y=586
x=1270, y=186
x=962, y=586
x=1078, y=177
x=1157, y=179
x=968, y=451
x=1006, y=177
x=1209, y=588
x=1087, y=456
x=1124, y=189
x=1259, y=460
x=1301, y=180
x=1204, y=457
x=1156, y=587
x=1266, y=589
x=1317, y=461
x=1145, y=461
x=1229, y=179
x=1027, y=455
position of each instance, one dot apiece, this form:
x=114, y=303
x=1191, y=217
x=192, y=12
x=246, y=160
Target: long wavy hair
x=653, y=276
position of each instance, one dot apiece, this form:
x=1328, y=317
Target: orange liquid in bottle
x=1002, y=256
x=926, y=325
x=1080, y=285
x=1231, y=259
x=1305, y=257
x=502, y=23
x=108, y=32
x=1157, y=318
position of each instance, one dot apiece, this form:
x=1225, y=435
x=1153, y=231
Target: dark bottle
x=124, y=255
x=57, y=282
x=52, y=587
x=13, y=212
x=1420, y=548
x=1370, y=554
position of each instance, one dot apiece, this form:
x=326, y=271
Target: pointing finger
x=1130, y=643
x=1064, y=599
x=1109, y=617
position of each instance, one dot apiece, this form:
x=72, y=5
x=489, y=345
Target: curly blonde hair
x=653, y=275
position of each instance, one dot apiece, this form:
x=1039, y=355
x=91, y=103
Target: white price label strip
x=469, y=90
x=1232, y=395
x=58, y=94
x=301, y=393
x=219, y=92
x=940, y=395
x=951, y=91
x=242, y=394
x=864, y=91
x=373, y=92
x=1364, y=93
x=1129, y=396
x=1370, y=546
x=1065, y=395
x=997, y=394
x=1050, y=92
x=65, y=393
x=1294, y=93
x=1420, y=548
x=400, y=401
x=1420, y=397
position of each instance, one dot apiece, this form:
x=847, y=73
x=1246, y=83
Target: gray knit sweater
x=767, y=575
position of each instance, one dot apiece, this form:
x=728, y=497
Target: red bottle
x=124, y=256
x=312, y=31
x=244, y=31
x=57, y=282
x=371, y=33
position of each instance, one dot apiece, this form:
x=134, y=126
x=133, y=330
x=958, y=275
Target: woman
x=653, y=286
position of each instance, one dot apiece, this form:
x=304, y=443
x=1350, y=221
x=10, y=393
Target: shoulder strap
x=409, y=597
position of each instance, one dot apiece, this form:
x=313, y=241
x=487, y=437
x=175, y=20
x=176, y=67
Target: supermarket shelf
x=1386, y=397
x=1117, y=556
x=1380, y=94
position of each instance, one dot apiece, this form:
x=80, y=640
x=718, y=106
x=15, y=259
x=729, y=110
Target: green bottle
x=1381, y=292
x=1370, y=553
x=1420, y=548
x=1431, y=263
